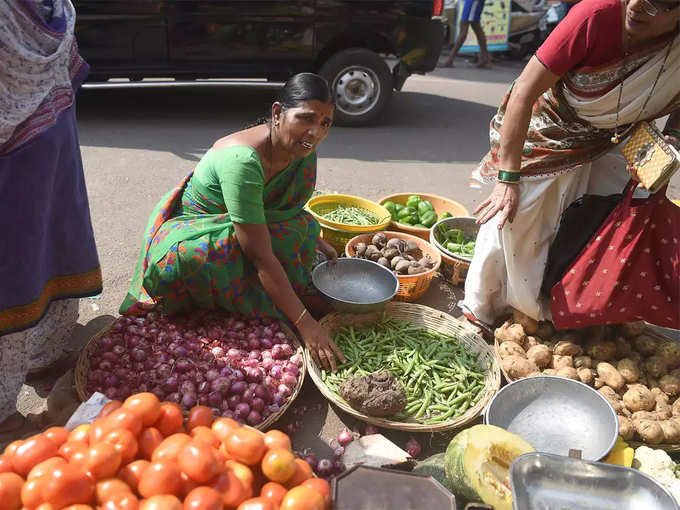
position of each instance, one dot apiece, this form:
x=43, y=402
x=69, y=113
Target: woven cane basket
x=83, y=368
x=432, y=320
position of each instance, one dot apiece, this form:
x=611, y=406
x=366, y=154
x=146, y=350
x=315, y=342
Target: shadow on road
x=185, y=121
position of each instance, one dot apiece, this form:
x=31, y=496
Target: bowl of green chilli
x=455, y=236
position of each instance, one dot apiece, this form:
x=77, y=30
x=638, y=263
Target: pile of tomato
x=142, y=454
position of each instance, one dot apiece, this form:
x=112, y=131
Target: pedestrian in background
x=49, y=259
x=451, y=16
x=471, y=16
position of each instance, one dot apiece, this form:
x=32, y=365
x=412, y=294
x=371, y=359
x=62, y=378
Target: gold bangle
x=300, y=317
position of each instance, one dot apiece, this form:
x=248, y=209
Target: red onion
x=257, y=404
x=180, y=351
x=339, y=452
x=255, y=354
x=247, y=396
x=189, y=400
x=171, y=384
x=187, y=387
x=118, y=350
x=233, y=401
x=222, y=385
x=254, y=418
x=413, y=447
x=218, y=352
x=289, y=380
x=276, y=371
x=284, y=390
x=111, y=393
x=214, y=399
x=106, y=366
x=238, y=387
x=253, y=375
x=345, y=437
x=182, y=365
x=338, y=467
x=371, y=429
x=211, y=375
x=311, y=460
x=291, y=369
x=324, y=468
x=234, y=355
x=163, y=371
x=277, y=352
x=242, y=410
x=266, y=343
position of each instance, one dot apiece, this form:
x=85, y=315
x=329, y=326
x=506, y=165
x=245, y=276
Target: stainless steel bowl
x=541, y=480
x=555, y=414
x=355, y=285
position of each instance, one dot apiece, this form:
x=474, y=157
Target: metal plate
x=542, y=481
x=555, y=415
x=355, y=285
x=370, y=488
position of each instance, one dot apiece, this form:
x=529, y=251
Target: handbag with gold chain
x=654, y=160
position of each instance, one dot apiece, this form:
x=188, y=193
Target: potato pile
x=637, y=373
x=402, y=257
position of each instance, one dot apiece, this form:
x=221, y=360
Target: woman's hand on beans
x=327, y=250
x=323, y=349
x=503, y=199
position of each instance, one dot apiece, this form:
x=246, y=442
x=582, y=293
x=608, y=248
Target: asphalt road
x=137, y=143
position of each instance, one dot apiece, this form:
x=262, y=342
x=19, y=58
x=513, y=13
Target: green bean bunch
x=442, y=380
x=352, y=216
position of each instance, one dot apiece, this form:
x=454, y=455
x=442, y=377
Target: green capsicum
x=406, y=212
x=391, y=208
x=398, y=207
x=413, y=201
x=428, y=219
x=446, y=214
x=424, y=206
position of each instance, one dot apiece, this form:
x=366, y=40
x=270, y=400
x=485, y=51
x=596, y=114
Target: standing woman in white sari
x=607, y=65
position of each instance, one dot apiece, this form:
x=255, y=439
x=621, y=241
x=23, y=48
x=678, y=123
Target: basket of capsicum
x=415, y=214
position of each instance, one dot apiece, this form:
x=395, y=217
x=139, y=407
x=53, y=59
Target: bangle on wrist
x=508, y=177
x=297, y=321
x=672, y=132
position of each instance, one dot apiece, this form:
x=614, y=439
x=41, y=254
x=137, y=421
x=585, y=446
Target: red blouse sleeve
x=590, y=34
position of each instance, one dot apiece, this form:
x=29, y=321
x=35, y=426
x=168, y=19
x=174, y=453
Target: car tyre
x=361, y=84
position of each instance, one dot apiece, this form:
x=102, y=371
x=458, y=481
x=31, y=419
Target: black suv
x=346, y=41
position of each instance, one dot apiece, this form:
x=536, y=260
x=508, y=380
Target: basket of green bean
x=448, y=371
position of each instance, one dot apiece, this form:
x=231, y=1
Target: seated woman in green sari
x=234, y=235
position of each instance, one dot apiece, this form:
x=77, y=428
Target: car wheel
x=361, y=84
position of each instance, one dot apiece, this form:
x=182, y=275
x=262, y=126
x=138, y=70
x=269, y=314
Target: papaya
x=477, y=463
x=621, y=454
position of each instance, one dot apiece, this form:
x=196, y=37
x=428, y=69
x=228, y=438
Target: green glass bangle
x=504, y=176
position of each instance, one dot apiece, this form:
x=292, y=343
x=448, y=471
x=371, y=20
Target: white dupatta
x=600, y=112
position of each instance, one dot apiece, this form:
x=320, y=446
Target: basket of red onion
x=247, y=369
